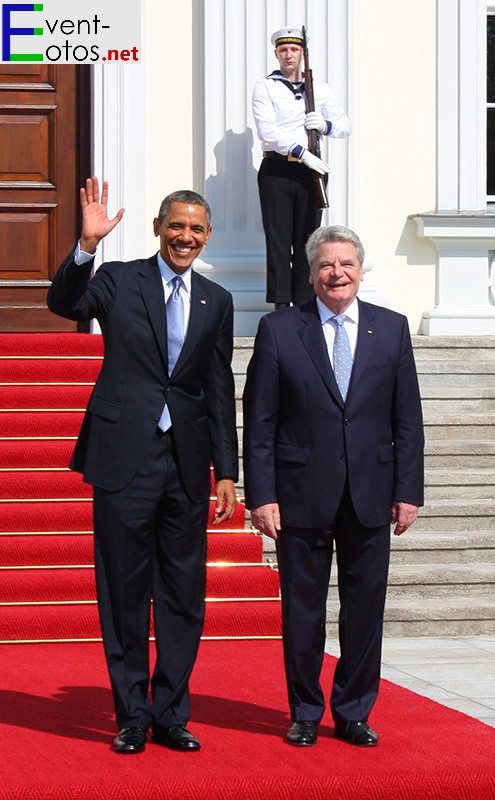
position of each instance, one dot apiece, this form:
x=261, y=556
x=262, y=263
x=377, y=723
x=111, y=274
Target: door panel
x=44, y=134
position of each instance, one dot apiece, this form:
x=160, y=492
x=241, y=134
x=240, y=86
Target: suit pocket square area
x=108, y=409
x=291, y=453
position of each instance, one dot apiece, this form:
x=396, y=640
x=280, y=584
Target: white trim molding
x=461, y=116
x=119, y=154
x=465, y=244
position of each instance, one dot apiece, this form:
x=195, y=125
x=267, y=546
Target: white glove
x=314, y=163
x=314, y=121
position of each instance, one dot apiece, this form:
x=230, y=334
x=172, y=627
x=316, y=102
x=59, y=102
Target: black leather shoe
x=177, y=737
x=302, y=734
x=358, y=733
x=129, y=740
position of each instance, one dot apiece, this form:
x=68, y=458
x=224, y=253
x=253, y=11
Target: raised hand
x=95, y=222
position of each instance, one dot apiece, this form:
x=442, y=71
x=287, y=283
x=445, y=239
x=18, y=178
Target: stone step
x=457, y=400
x=455, y=348
x=435, y=628
x=415, y=581
x=419, y=592
x=463, y=366
x=456, y=392
x=443, y=547
x=460, y=477
x=460, y=508
x=459, y=405
x=455, y=483
x=457, y=515
x=454, y=492
x=243, y=348
x=458, y=379
x=456, y=616
x=239, y=381
x=459, y=454
x=459, y=426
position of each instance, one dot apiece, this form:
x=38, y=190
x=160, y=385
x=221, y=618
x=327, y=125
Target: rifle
x=313, y=136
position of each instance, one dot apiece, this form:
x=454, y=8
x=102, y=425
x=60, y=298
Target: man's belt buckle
x=292, y=158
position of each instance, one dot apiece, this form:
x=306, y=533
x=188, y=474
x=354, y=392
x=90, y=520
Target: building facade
x=411, y=179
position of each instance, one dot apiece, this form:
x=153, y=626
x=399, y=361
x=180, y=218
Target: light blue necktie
x=175, y=338
x=342, y=356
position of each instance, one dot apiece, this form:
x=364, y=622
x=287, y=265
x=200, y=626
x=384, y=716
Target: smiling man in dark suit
x=162, y=409
x=333, y=452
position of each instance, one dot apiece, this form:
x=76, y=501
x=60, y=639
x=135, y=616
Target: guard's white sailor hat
x=287, y=36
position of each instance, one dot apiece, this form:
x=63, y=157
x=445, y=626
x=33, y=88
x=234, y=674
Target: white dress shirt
x=351, y=323
x=168, y=275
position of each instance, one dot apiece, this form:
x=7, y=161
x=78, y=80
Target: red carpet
x=56, y=725
x=47, y=588
x=56, y=711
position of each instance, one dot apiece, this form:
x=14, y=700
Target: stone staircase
x=442, y=574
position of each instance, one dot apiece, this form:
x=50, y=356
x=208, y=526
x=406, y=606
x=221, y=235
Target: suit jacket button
x=155, y=420
x=347, y=421
x=342, y=457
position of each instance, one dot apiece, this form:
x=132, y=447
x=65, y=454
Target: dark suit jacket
x=128, y=301
x=301, y=442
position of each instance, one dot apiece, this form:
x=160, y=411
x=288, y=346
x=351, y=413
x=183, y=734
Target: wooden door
x=44, y=153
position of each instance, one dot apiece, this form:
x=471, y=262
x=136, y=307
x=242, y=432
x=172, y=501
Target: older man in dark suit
x=333, y=452
x=162, y=409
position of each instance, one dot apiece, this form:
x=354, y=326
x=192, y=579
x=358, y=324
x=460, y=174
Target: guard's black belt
x=277, y=156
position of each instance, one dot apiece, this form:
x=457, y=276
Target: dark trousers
x=150, y=542
x=288, y=208
x=304, y=559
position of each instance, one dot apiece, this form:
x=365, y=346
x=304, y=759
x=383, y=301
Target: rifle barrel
x=313, y=136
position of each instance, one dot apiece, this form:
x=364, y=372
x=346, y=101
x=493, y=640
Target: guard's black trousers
x=288, y=208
